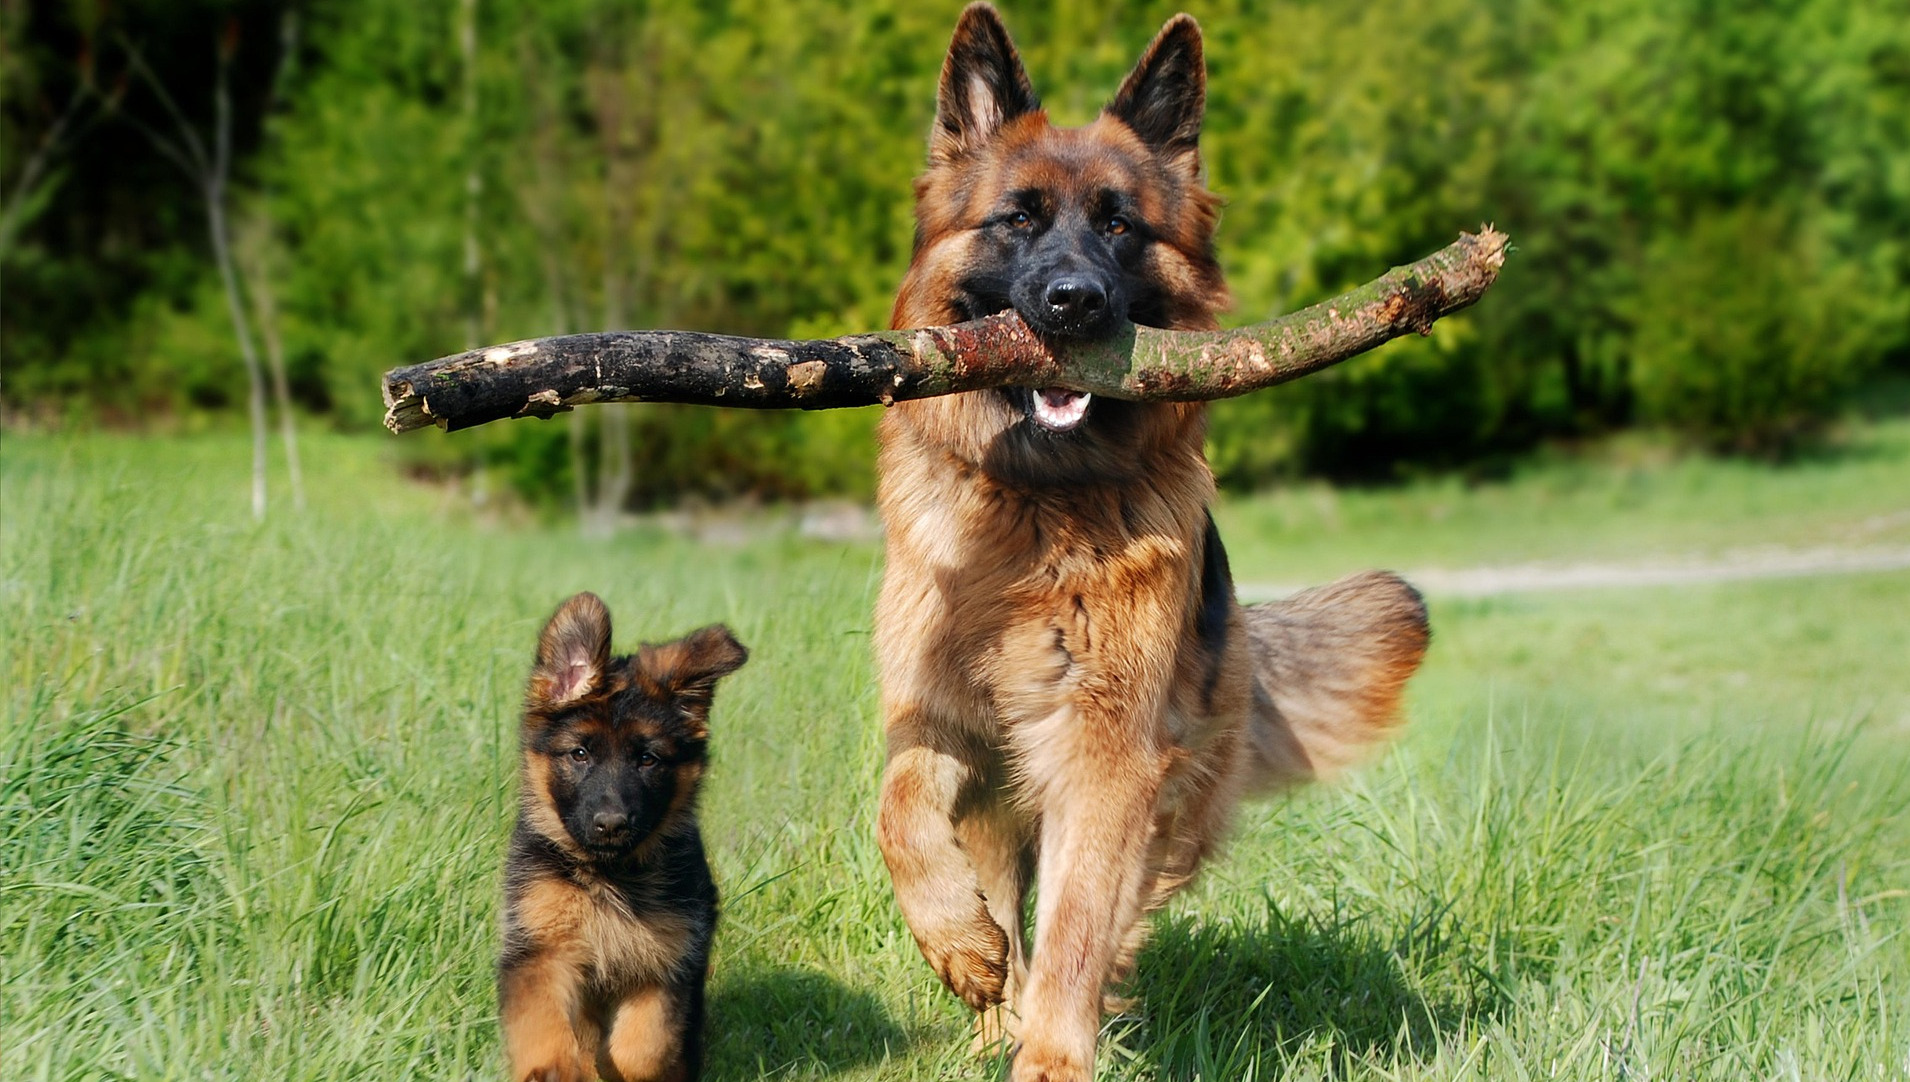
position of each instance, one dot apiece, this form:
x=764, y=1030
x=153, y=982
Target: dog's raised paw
x=974, y=964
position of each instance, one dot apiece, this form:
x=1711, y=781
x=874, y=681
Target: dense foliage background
x=1711, y=203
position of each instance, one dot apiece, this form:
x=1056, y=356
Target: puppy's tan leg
x=936, y=884
x=540, y=1016
x=645, y=1042
x=1096, y=832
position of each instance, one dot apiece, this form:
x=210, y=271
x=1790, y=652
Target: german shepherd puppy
x=1071, y=691
x=608, y=902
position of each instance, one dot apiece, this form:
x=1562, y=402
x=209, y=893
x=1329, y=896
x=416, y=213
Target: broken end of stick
x=1425, y=300
x=405, y=408
x=1489, y=246
x=1444, y=282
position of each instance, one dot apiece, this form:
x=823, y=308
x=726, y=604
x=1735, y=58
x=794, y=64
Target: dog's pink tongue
x=1060, y=409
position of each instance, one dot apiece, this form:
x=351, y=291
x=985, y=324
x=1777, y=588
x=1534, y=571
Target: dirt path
x=1724, y=567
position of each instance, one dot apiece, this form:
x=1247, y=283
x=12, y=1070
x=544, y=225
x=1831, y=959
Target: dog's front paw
x=972, y=961
x=1034, y=1063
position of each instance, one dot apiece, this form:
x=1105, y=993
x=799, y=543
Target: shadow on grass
x=776, y=1021
x=1337, y=990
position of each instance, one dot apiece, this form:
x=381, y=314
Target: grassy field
x=255, y=783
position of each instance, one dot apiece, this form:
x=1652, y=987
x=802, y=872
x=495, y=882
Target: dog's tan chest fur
x=1020, y=591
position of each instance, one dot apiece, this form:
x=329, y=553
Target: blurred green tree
x=1711, y=204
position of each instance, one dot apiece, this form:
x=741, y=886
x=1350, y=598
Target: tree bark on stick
x=547, y=376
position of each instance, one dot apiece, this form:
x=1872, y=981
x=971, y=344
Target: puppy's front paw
x=972, y=961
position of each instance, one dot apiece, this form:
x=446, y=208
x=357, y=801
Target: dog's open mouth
x=1058, y=410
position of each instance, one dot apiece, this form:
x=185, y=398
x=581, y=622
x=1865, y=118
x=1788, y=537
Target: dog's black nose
x=607, y=824
x=1076, y=300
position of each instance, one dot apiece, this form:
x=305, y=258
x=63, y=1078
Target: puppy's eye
x=580, y=755
x=646, y=759
x=1020, y=219
x=1118, y=226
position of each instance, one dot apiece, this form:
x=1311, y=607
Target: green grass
x=1630, y=499
x=255, y=784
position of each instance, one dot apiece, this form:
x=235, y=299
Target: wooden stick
x=547, y=376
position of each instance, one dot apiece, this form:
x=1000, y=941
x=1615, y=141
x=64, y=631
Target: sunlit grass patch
x=255, y=783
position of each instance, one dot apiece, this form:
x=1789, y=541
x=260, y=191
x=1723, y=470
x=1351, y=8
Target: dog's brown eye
x=580, y=755
x=1020, y=219
x=1118, y=225
x=646, y=759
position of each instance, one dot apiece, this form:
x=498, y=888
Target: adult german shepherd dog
x=608, y=903
x=1071, y=692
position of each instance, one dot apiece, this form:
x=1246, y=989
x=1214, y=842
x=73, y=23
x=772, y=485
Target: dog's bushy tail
x=1329, y=665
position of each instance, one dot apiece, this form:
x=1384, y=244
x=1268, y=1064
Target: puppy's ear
x=983, y=86
x=1166, y=93
x=687, y=670
x=573, y=653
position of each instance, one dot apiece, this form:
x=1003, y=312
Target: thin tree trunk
x=606, y=81
x=473, y=177
x=543, y=203
x=255, y=381
x=579, y=461
x=215, y=193
x=26, y=187
x=211, y=173
x=614, y=467
x=265, y=302
x=264, y=294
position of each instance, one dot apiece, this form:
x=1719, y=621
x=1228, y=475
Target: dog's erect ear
x=1166, y=93
x=572, y=653
x=983, y=86
x=688, y=669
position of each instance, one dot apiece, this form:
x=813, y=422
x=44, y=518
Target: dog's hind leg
x=1198, y=803
x=998, y=838
x=936, y=884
